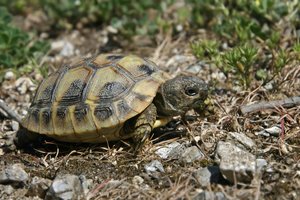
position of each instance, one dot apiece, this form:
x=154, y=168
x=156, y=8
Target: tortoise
x=110, y=97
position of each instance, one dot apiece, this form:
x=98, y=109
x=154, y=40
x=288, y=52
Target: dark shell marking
x=81, y=111
x=61, y=112
x=146, y=69
x=114, y=57
x=74, y=92
x=123, y=108
x=46, y=95
x=111, y=90
x=102, y=113
x=46, y=116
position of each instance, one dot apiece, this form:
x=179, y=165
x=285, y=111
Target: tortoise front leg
x=142, y=126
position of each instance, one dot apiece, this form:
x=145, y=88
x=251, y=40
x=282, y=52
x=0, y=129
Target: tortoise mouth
x=198, y=103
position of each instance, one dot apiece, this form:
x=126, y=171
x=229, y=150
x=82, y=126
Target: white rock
x=191, y=154
x=112, y=29
x=137, y=180
x=9, y=75
x=154, y=166
x=64, y=47
x=65, y=187
x=243, y=139
x=235, y=163
x=274, y=131
x=14, y=174
x=23, y=84
x=164, y=152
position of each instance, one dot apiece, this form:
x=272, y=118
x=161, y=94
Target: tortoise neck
x=164, y=108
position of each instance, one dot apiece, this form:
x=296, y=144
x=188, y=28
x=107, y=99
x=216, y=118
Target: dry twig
x=286, y=103
x=10, y=113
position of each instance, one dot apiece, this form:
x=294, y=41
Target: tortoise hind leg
x=142, y=126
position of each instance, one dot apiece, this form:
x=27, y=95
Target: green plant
x=240, y=61
x=240, y=20
x=130, y=18
x=205, y=48
x=17, y=47
x=281, y=59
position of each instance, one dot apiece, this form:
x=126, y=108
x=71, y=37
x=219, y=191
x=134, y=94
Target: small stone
x=15, y=126
x=179, y=27
x=273, y=131
x=13, y=174
x=111, y=29
x=235, y=163
x=243, y=139
x=23, y=84
x=196, y=68
x=68, y=50
x=65, y=187
x=64, y=47
x=38, y=187
x=137, y=180
x=154, y=166
x=191, y=154
x=7, y=189
x=9, y=75
x=206, y=176
x=164, y=152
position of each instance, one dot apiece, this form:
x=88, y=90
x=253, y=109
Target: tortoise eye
x=191, y=91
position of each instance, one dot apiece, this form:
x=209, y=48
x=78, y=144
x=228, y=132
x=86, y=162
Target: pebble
x=13, y=174
x=154, y=166
x=163, y=152
x=243, y=139
x=9, y=75
x=137, y=180
x=112, y=29
x=65, y=187
x=38, y=187
x=206, y=176
x=15, y=126
x=23, y=84
x=173, y=150
x=191, y=154
x=64, y=47
x=273, y=131
x=196, y=68
x=6, y=189
x=235, y=163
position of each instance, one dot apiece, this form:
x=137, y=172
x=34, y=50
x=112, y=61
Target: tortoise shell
x=90, y=100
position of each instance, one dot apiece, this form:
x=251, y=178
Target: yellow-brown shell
x=89, y=101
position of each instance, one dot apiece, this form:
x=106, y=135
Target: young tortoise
x=110, y=97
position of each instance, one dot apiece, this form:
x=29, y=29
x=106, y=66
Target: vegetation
x=17, y=47
x=253, y=31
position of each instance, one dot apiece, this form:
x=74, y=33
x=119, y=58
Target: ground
x=106, y=164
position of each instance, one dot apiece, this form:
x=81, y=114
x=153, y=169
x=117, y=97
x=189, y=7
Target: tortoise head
x=178, y=95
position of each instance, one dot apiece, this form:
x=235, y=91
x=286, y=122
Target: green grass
x=17, y=48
